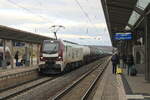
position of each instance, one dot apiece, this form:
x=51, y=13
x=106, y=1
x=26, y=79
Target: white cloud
x=73, y=36
x=16, y=17
x=43, y=14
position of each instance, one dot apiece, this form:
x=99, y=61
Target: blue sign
x=19, y=44
x=123, y=36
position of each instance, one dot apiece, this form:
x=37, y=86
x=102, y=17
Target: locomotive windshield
x=50, y=48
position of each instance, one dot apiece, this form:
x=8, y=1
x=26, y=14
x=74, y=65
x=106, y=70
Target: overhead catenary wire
x=100, y=7
x=61, y=16
x=98, y=11
x=86, y=14
x=46, y=19
x=40, y=3
x=28, y=10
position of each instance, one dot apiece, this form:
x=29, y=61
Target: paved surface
x=137, y=85
x=5, y=72
x=122, y=87
x=108, y=87
x=51, y=88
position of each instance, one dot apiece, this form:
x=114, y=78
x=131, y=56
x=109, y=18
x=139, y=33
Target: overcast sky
x=39, y=15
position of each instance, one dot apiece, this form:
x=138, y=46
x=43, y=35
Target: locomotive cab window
x=50, y=48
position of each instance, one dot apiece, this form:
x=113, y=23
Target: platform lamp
x=55, y=29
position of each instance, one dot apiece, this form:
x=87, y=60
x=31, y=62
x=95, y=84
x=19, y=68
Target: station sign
x=19, y=44
x=123, y=36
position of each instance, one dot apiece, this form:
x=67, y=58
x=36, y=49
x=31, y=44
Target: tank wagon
x=60, y=56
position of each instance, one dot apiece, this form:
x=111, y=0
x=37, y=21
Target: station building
x=131, y=16
x=25, y=43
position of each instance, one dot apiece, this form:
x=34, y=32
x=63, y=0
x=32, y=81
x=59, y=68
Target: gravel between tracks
x=13, y=91
x=79, y=90
x=49, y=89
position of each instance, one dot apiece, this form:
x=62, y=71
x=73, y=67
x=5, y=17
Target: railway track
x=49, y=86
x=81, y=88
x=23, y=88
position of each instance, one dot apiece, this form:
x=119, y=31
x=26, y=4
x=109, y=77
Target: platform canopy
x=117, y=14
x=19, y=35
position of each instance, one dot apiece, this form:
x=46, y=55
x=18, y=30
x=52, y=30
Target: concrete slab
x=135, y=97
x=13, y=77
x=109, y=87
x=7, y=72
x=136, y=87
x=137, y=84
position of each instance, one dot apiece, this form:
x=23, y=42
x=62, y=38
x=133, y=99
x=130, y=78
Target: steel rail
x=85, y=96
x=26, y=89
x=62, y=93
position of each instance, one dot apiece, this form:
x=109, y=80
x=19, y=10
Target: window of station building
x=138, y=58
x=142, y=4
x=1, y=42
x=133, y=18
x=19, y=49
x=5, y=54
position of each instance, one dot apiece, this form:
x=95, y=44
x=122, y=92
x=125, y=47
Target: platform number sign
x=123, y=36
x=19, y=44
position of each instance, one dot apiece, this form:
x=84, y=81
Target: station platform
x=121, y=87
x=18, y=75
x=107, y=89
x=136, y=86
x=20, y=69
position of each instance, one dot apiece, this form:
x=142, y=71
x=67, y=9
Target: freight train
x=61, y=56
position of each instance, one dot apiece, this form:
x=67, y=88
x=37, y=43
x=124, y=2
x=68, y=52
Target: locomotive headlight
x=59, y=58
x=52, y=41
x=41, y=58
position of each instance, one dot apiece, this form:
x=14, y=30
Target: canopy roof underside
x=19, y=35
x=117, y=14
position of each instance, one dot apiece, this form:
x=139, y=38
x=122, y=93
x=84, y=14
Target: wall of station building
x=139, y=47
x=28, y=51
x=139, y=54
x=135, y=48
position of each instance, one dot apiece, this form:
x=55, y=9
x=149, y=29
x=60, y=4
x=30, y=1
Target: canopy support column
x=4, y=55
x=9, y=44
x=38, y=53
x=147, y=48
